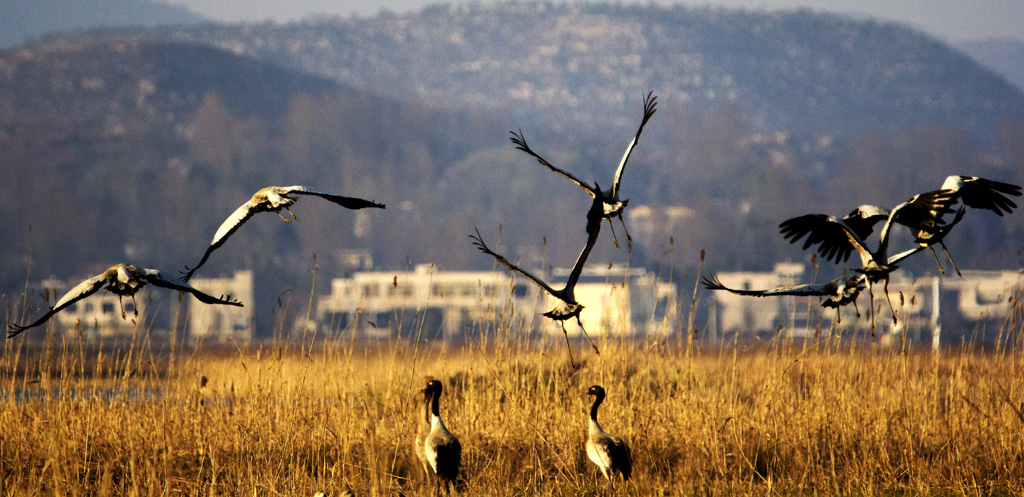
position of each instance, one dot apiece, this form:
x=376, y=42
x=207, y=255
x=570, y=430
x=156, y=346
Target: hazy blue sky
x=953, y=20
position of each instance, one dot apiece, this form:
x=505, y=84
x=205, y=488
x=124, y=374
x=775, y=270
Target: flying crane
x=270, y=199
x=122, y=280
x=836, y=238
x=568, y=308
x=611, y=204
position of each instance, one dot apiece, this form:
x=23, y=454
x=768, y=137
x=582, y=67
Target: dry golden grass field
x=779, y=417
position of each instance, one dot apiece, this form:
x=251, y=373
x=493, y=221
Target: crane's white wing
x=650, y=107
x=229, y=226
x=895, y=259
x=79, y=292
x=863, y=219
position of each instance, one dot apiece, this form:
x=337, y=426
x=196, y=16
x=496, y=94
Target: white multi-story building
x=740, y=313
x=985, y=294
x=621, y=301
x=223, y=323
x=921, y=303
x=429, y=303
x=423, y=302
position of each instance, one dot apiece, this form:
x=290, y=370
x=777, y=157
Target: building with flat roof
x=431, y=304
x=223, y=323
x=924, y=305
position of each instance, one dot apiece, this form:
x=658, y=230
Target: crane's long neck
x=434, y=401
x=594, y=425
x=426, y=408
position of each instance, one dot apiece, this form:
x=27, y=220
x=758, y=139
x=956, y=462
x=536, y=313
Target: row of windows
x=105, y=308
x=438, y=289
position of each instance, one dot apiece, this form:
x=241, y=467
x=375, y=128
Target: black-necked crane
x=836, y=237
x=568, y=307
x=612, y=204
x=442, y=449
x=271, y=199
x=840, y=291
x=122, y=280
x=608, y=452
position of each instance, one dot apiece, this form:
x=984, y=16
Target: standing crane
x=836, y=238
x=608, y=452
x=122, y=280
x=612, y=205
x=443, y=450
x=271, y=199
x=568, y=308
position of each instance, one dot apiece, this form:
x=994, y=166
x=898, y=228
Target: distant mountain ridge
x=112, y=83
x=1004, y=56
x=24, y=20
x=793, y=71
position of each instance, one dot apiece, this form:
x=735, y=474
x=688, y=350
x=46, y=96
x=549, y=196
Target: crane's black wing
x=520, y=141
x=981, y=193
x=828, y=232
x=347, y=202
x=921, y=212
x=479, y=243
x=154, y=277
x=820, y=289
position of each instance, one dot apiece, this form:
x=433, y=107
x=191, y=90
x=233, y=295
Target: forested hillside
x=792, y=71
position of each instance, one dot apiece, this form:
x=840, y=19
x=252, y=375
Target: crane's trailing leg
x=284, y=218
x=885, y=287
x=629, y=239
x=292, y=213
x=612, y=227
x=580, y=323
x=871, y=307
x=121, y=305
x=566, y=334
x=951, y=260
x=937, y=263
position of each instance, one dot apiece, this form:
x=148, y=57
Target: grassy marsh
x=783, y=416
